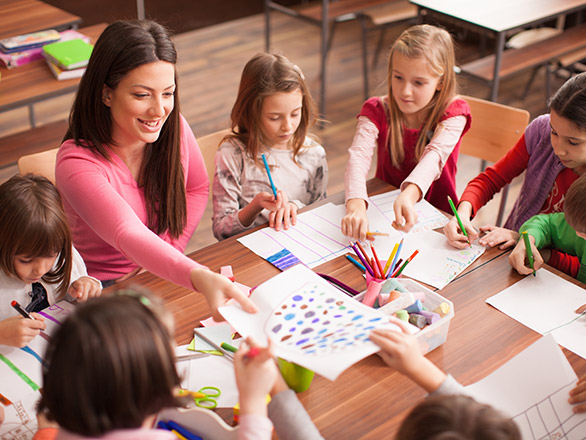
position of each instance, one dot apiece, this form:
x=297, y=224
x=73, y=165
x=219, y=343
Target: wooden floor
x=211, y=60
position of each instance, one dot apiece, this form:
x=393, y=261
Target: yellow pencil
x=390, y=260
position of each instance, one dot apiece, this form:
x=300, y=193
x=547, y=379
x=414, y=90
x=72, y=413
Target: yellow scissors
x=206, y=397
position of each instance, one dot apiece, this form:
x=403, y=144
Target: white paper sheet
x=538, y=402
x=312, y=323
x=318, y=238
x=21, y=373
x=546, y=303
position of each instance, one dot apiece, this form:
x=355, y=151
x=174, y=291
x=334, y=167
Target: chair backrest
x=42, y=163
x=495, y=129
x=209, y=145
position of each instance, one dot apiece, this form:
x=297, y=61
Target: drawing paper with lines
x=537, y=402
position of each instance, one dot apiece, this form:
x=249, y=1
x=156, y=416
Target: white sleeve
x=360, y=158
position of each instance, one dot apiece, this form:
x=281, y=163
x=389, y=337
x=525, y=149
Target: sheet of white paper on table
x=546, y=303
x=538, y=402
x=317, y=237
x=209, y=371
x=216, y=333
x=322, y=329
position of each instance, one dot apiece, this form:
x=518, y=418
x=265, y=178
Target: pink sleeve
x=84, y=180
x=360, y=158
x=254, y=427
x=436, y=153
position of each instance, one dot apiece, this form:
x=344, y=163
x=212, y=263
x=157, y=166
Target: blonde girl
x=416, y=130
x=272, y=115
x=37, y=260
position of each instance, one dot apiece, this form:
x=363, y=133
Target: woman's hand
x=495, y=236
x=218, y=290
x=285, y=215
x=18, y=331
x=256, y=374
x=355, y=222
x=405, y=214
x=518, y=258
x=453, y=232
x=84, y=288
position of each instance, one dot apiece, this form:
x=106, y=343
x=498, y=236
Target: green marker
x=228, y=347
x=530, y=258
x=459, y=219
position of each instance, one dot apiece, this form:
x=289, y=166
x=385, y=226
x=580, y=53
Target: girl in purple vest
x=552, y=152
x=416, y=130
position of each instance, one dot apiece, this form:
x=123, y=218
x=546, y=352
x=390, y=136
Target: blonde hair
x=437, y=47
x=264, y=75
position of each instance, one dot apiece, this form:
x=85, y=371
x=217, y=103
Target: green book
x=69, y=55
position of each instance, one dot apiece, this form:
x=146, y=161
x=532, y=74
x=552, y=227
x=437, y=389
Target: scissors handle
x=210, y=391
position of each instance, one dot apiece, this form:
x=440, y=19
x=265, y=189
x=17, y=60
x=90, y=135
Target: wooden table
x=19, y=17
x=33, y=82
x=369, y=400
x=500, y=17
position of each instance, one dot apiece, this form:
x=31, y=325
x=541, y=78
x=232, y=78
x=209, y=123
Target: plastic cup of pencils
x=298, y=378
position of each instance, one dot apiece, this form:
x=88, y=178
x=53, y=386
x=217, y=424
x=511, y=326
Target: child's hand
x=578, y=396
x=401, y=351
x=267, y=200
x=355, y=222
x=84, y=288
x=495, y=236
x=518, y=258
x=285, y=215
x=218, y=290
x=18, y=331
x=453, y=232
x=255, y=376
x=405, y=214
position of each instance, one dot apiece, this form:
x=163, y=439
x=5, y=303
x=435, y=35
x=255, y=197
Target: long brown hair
x=122, y=47
x=569, y=101
x=33, y=224
x=264, y=75
x=437, y=47
x=110, y=365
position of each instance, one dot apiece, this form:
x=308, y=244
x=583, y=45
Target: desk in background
x=369, y=400
x=500, y=17
x=33, y=82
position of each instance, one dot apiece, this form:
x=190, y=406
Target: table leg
x=500, y=47
x=31, y=116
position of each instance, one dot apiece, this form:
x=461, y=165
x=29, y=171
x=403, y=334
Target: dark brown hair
x=437, y=47
x=456, y=418
x=122, y=47
x=570, y=101
x=264, y=75
x=575, y=205
x=33, y=224
x=110, y=365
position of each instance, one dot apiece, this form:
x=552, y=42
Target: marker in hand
x=264, y=159
x=455, y=211
x=20, y=310
x=530, y=258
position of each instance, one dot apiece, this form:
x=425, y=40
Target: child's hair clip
x=136, y=294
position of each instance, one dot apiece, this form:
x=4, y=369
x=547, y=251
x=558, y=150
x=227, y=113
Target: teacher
x=132, y=177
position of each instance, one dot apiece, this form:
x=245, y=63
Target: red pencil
x=366, y=258
x=400, y=269
x=380, y=266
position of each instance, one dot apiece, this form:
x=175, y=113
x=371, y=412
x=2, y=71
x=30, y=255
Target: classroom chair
x=495, y=130
x=42, y=164
x=208, y=145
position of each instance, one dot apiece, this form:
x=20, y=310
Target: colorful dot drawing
x=325, y=323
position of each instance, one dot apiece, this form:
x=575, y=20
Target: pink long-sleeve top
x=107, y=213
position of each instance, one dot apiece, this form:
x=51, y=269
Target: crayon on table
x=459, y=219
x=264, y=159
x=530, y=258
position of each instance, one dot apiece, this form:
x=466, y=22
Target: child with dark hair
x=38, y=264
x=110, y=368
x=564, y=231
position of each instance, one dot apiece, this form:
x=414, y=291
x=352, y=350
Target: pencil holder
x=298, y=378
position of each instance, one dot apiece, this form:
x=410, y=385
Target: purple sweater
x=543, y=168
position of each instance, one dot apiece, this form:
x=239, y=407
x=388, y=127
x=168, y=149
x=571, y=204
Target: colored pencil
x=356, y=263
x=379, y=266
x=374, y=234
x=459, y=219
x=264, y=159
x=394, y=263
x=407, y=261
x=366, y=265
x=530, y=258
x=389, y=260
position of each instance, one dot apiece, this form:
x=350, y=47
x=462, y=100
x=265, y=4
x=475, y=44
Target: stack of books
x=68, y=59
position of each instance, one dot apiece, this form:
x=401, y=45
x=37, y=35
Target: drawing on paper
x=316, y=322
x=283, y=259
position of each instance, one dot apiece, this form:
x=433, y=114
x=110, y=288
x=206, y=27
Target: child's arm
x=518, y=258
x=84, y=288
x=452, y=230
x=18, y=331
x=400, y=350
x=285, y=215
x=355, y=222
